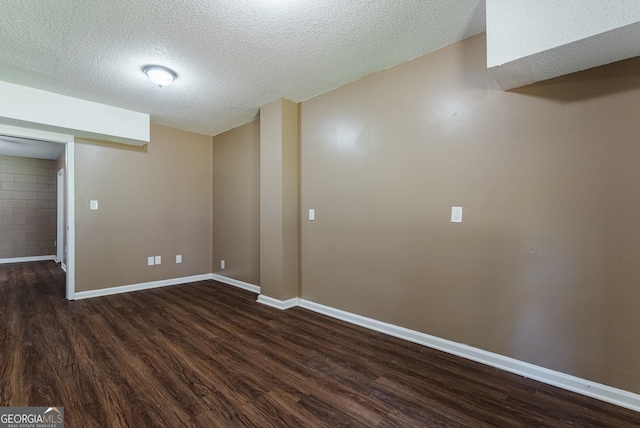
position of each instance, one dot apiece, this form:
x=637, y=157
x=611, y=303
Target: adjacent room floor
x=207, y=355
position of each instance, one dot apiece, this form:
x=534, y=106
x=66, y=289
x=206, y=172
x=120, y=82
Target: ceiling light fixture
x=161, y=76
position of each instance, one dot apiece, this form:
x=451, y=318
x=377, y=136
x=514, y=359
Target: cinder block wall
x=28, y=194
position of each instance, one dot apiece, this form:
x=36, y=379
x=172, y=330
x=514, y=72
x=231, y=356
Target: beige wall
x=27, y=207
x=153, y=201
x=279, y=196
x=236, y=206
x=546, y=264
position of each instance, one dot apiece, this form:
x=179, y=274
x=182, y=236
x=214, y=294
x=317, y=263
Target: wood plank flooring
x=207, y=355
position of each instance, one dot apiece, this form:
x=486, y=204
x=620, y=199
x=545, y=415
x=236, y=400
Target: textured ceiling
x=542, y=39
x=26, y=148
x=231, y=56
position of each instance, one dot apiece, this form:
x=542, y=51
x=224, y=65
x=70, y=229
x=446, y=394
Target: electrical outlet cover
x=456, y=214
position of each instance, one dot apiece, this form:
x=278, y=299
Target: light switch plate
x=93, y=205
x=150, y=261
x=456, y=214
x=158, y=260
x=221, y=264
x=179, y=258
x=312, y=214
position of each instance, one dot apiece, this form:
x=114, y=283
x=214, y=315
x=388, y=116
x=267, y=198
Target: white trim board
x=236, y=283
x=585, y=387
x=27, y=259
x=164, y=283
x=70, y=242
x=278, y=304
x=142, y=286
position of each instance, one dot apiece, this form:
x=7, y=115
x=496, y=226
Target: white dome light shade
x=161, y=76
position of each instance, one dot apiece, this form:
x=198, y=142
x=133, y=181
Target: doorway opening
x=31, y=139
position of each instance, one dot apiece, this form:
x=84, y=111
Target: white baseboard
x=595, y=390
x=27, y=259
x=278, y=304
x=235, y=283
x=137, y=287
x=164, y=283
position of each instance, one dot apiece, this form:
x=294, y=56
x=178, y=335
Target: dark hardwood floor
x=207, y=355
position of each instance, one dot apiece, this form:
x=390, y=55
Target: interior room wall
x=279, y=200
x=236, y=203
x=27, y=207
x=152, y=201
x=544, y=267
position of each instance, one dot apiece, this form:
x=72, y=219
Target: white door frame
x=68, y=140
x=60, y=219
